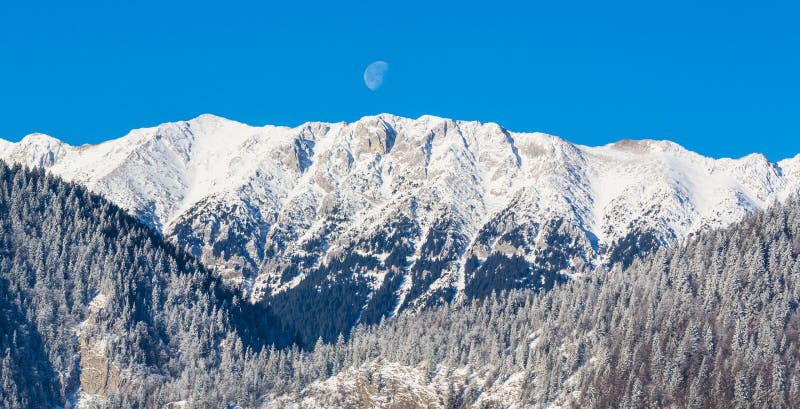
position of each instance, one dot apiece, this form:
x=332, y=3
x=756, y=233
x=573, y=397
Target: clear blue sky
x=722, y=78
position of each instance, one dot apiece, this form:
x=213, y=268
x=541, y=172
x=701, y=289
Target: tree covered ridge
x=61, y=248
x=711, y=322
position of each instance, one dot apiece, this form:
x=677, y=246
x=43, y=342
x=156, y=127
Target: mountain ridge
x=390, y=213
x=205, y=117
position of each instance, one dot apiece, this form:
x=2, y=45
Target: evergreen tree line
x=62, y=247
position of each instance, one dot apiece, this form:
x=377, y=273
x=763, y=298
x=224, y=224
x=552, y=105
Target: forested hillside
x=92, y=299
x=710, y=323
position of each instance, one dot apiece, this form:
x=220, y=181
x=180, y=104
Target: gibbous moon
x=373, y=75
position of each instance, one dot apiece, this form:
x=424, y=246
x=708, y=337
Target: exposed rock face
x=99, y=376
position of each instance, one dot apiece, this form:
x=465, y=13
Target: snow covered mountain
x=388, y=213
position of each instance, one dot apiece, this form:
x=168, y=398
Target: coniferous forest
x=97, y=309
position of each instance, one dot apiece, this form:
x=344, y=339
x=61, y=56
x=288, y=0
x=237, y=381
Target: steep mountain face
x=388, y=213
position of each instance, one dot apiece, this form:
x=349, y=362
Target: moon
x=373, y=75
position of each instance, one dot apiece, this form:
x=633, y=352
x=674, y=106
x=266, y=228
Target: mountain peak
x=209, y=121
x=40, y=139
x=756, y=157
x=209, y=117
x=386, y=117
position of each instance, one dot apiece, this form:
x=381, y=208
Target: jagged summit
x=427, y=208
x=205, y=124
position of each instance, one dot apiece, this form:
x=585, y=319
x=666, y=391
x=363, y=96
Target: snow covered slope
x=406, y=212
